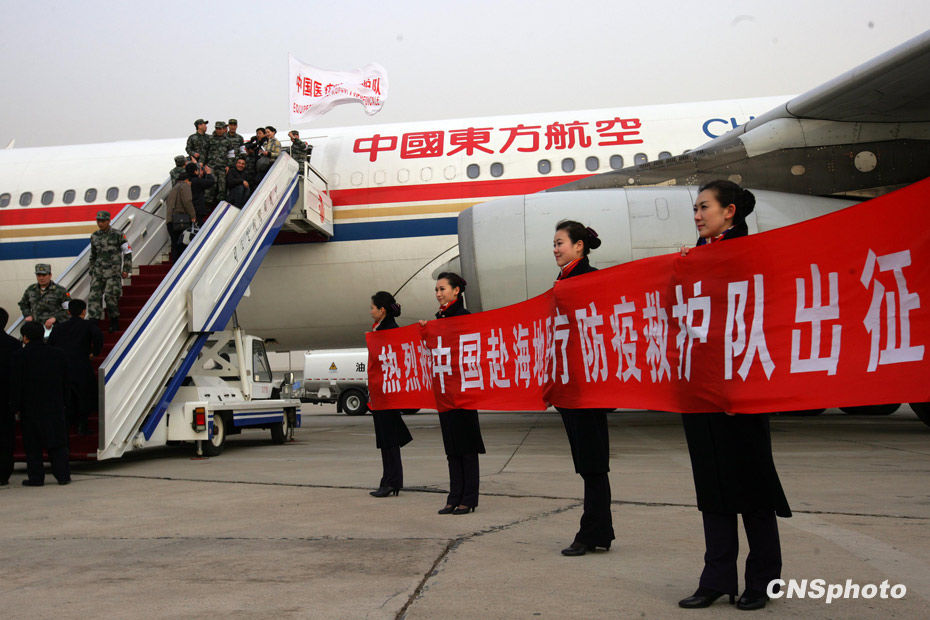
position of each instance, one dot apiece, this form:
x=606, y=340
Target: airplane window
x=334, y=181
x=426, y=174
x=47, y=197
x=134, y=192
x=25, y=199
x=616, y=162
x=544, y=166
x=473, y=170
x=403, y=175
x=356, y=178
x=640, y=158
x=380, y=176
x=112, y=194
x=664, y=155
x=497, y=169
x=592, y=163
x=68, y=196
x=90, y=195
x=4, y=200
x=449, y=172
x=153, y=189
x=568, y=165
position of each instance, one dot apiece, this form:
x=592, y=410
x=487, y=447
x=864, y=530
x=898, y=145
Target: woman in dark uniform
x=731, y=455
x=390, y=431
x=586, y=428
x=461, y=434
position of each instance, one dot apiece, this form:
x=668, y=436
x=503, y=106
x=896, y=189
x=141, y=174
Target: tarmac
x=289, y=531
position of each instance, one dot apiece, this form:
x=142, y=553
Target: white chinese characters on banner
x=624, y=340
x=389, y=367
x=441, y=363
x=816, y=314
x=688, y=330
x=313, y=91
x=593, y=351
x=897, y=348
x=735, y=346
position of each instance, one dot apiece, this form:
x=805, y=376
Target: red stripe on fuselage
x=446, y=191
x=59, y=215
x=341, y=197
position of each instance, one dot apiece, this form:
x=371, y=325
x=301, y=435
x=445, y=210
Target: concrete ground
x=290, y=531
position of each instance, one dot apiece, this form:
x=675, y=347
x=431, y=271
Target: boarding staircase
x=168, y=311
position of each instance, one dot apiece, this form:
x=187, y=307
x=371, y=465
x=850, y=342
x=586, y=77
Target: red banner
x=827, y=313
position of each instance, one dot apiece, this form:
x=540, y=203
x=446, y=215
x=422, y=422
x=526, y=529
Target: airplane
x=403, y=192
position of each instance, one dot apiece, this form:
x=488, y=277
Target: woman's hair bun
x=593, y=241
x=395, y=309
x=749, y=202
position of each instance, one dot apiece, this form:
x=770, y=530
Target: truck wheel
x=353, y=402
x=214, y=446
x=279, y=430
x=871, y=409
x=923, y=412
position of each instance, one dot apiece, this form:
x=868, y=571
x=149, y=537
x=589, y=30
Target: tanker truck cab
x=229, y=388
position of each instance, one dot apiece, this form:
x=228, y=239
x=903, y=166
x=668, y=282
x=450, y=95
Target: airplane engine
x=505, y=245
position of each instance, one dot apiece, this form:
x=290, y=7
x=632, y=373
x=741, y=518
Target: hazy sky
x=91, y=71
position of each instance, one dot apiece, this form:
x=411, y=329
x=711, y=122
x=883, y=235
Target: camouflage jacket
x=175, y=173
x=300, y=150
x=197, y=143
x=217, y=152
x=110, y=253
x=235, y=143
x=41, y=305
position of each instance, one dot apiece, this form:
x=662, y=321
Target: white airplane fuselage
x=397, y=190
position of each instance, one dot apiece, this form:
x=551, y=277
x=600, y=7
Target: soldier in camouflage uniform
x=110, y=262
x=235, y=142
x=217, y=152
x=179, y=162
x=300, y=150
x=44, y=301
x=197, y=142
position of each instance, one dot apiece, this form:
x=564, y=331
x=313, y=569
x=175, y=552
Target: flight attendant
x=731, y=455
x=391, y=433
x=586, y=428
x=461, y=433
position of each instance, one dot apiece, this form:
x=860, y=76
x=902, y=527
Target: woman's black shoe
x=576, y=548
x=702, y=597
x=385, y=491
x=463, y=510
x=447, y=510
x=750, y=599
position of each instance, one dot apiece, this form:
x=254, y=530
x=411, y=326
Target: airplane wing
x=863, y=133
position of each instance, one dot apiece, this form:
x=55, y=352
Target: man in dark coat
x=37, y=393
x=237, y=185
x=81, y=340
x=8, y=345
x=202, y=179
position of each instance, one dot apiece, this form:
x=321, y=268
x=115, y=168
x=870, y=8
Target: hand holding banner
x=312, y=92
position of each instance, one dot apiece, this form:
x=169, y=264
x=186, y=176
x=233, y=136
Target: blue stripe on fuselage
x=56, y=248
x=360, y=231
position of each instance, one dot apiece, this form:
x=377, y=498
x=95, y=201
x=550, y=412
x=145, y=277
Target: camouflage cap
x=200, y=121
x=43, y=269
x=179, y=160
x=103, y=216
x=220, y=125
x=232, y=121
